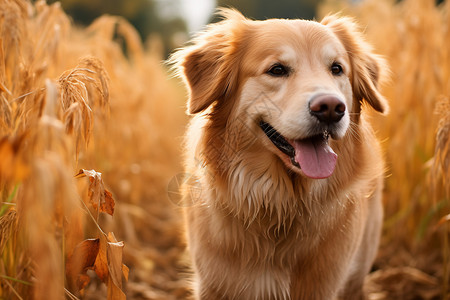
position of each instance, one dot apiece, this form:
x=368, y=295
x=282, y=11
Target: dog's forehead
x=290, y=37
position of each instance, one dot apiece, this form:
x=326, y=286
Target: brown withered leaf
x=101, y=263
x=100, y=198
x=82, y=259
x=125, y=271
x=109, y=259
x=115, y=267
x=107, y=206
x=82, y=281
x=114, y=254
x=109, y=267
x=114, y=292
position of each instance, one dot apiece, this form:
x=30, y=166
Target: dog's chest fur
x=278, y=219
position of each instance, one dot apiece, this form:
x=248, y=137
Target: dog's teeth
x=294, y=162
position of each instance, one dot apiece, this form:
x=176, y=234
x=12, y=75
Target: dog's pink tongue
x=316, y=158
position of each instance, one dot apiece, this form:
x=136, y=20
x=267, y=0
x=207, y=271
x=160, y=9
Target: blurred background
x=83, y=85
x=174, y=20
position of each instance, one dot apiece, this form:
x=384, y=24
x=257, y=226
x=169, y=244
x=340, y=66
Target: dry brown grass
x=70, y=99
x=414, y=36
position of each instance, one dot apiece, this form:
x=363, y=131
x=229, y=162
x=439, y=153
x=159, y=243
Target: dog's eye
x=336, y=69
x=278, y=70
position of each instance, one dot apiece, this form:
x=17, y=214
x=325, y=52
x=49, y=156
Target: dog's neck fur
x=281, y=201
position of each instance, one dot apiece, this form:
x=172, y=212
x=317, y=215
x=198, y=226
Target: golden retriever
x=289, y=170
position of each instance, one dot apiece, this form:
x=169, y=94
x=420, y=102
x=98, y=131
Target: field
x=91, y=124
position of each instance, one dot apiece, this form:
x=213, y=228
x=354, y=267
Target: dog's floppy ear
x=209, y=66
x=366, y=66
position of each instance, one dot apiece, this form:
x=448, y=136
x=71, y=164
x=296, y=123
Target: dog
x=288, y=170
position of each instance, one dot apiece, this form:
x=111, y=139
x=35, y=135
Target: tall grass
x=71, y=99
x=414, y=36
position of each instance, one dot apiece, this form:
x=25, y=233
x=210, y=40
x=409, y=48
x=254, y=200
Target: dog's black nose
x=327, y=108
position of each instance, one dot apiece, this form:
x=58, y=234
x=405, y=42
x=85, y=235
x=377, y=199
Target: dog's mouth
x=313, y=155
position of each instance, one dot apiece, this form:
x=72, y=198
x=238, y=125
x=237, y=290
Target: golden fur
x=259, y=228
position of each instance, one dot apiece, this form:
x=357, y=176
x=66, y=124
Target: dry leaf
x=83, y=280
x=114, y=293
x=114, y=254
x=109, y=267
x=115, y=267
x=125, y=271
x=109, y=259
x=100, y=198
x=101, y=263
x=104, y=256
x=82, y=258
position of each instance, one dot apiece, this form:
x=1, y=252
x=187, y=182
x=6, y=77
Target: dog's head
x=296, y=83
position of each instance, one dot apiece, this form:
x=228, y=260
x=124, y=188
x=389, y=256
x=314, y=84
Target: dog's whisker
x=354, y=133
